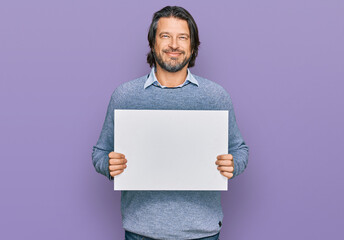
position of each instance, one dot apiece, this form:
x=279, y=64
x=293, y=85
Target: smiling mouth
x=173, y=54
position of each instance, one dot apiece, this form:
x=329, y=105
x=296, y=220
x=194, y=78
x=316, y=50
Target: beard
x=169, y=67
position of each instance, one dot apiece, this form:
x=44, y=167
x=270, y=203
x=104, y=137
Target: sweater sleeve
x=105, y=143
x=236, y=144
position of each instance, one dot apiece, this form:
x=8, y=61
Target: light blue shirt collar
x=153, y=80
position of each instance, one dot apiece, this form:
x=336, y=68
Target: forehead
x=172, y=25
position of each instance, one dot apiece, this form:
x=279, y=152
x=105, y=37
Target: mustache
x=173, y=51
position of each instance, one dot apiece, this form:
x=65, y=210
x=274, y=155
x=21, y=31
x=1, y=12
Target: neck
x=170, y=79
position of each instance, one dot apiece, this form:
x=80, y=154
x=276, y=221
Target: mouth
x=173, y=54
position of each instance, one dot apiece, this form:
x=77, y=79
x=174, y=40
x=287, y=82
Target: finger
x=227, y=174
x=114, y=173
x=117, y=167
x=116, y=155
x=117, y=161
x=226, y=169
x=225, y=156
x=224, y=163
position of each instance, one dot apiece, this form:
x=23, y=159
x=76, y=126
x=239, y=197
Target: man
x=173, y=39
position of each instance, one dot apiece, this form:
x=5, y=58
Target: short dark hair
x=177, y=12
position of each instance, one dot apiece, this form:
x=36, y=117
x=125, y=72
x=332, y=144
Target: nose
x=173, y=43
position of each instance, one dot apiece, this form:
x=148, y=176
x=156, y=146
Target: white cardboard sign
x=171, y=149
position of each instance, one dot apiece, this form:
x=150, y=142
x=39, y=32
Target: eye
x=183, y=38
x=164, y=36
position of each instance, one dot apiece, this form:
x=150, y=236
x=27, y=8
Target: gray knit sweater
x=170, y=214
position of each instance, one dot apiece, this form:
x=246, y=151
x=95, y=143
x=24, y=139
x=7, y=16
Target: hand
x=117, y=163
x=225, y=165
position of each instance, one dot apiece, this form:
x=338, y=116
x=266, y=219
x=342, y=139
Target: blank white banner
x=171, y=149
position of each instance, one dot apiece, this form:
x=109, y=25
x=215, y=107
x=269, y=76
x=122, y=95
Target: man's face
x=172, y=50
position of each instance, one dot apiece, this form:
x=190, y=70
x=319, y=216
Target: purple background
x=281, y=61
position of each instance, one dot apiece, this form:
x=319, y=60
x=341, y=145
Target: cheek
x=158, y=46
x=188, y=47
x=161, y=47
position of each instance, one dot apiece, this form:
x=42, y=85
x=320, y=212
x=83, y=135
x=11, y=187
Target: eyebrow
x=178, y=34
